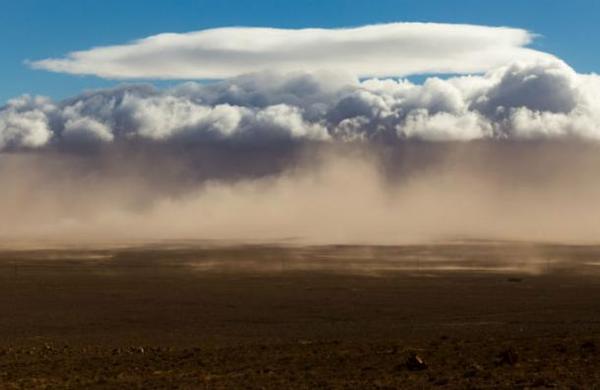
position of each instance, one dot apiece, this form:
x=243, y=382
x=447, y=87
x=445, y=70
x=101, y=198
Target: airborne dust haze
x=344, y=194
x=319, y=158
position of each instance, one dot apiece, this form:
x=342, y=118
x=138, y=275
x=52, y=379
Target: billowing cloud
x=396, y=49
x=523, y=100
x=24, y=123
x=323, y=155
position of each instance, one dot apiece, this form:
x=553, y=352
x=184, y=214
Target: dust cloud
x=319, y=193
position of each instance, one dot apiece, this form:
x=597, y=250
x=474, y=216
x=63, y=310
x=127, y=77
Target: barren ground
x=480, y=315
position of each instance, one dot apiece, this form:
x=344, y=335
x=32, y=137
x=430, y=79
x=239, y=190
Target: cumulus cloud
x=24, y=123
x=322, y=155
x=396, y=49
x=523, y=100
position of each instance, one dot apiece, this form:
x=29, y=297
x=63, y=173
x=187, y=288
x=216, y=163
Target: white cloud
x=395, y=49
x=162, y=117
x=523, y=100
x=86, y=130
x=287, y=120
x=444, y=126
x=24, y=123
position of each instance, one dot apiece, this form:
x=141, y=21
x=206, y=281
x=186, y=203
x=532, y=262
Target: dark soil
x=477, y=315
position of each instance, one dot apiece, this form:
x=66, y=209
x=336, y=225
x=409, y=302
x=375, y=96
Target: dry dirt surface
x=202, y=315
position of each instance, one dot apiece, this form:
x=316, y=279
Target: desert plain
x=460, y=314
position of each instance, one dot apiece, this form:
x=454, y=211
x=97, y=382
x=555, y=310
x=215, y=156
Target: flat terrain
x=478, y=315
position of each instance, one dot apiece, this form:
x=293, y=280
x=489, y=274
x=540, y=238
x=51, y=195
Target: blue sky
x=36, y=29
